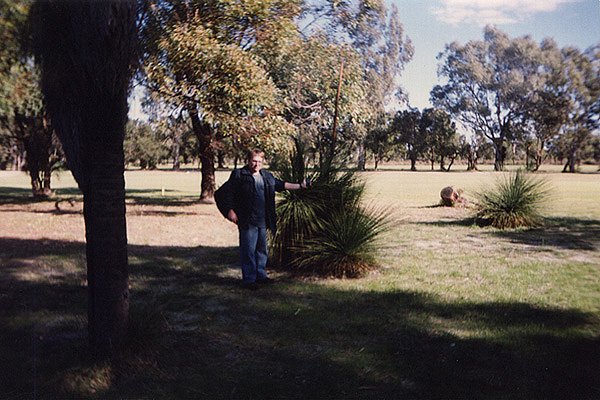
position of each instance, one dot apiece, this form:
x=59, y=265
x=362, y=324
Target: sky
x=431, y=24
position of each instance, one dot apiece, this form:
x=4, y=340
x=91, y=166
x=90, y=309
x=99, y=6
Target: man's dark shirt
x=242, y=198
x=258, y=215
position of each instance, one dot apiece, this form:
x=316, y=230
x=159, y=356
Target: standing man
x=251, y=204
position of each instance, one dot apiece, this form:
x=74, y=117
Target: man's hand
x=232, y=216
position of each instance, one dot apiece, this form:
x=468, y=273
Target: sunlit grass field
x=455, y=311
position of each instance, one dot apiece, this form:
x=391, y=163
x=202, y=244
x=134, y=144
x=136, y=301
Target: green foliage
x=512, y=90
x=309, y=88
x=406, y=129
x=440, y=136
x=380, y=142
x=346, y=246
x=203, y=57
x=13, y=22
x=489, y=84
x=374, y=32
x=25, y=129
x=516, y=201
x=326, y=230
x=143, y=146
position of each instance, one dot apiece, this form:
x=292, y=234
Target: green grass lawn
x=455, y=311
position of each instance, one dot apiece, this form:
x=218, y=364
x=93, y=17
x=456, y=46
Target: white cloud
x=497, y=12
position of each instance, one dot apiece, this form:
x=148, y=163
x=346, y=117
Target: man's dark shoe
x=265, y=281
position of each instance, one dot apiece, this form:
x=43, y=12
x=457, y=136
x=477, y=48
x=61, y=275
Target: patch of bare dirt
x=189, y=225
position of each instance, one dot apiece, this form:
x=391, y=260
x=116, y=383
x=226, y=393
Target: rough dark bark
x=571, y=163
x=85, y=50
x=175, y=153
x=205, y=136
x=499, y=154
x=413, y=163
x=362, y=157
x=471, y=159
x=221, y=159
x=106, y=248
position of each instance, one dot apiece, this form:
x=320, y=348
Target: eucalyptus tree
x=406, y=127
x=377, y=34
x=199, y=56
x=547, y=111
x=441, y=137
x=174, y=126
x=85, y=51
x=467, y=150
x=144, y=145
x=583, y=92
x=489, y=83
x=309, y=90
x=24, y=126
x=380, y=141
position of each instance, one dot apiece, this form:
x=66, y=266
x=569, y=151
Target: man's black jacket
x=241, y=196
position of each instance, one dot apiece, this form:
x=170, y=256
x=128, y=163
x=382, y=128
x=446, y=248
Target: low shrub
x=515, y=201
x=326, y=230
x=346, y=246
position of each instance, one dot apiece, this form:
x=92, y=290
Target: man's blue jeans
x=253, y=253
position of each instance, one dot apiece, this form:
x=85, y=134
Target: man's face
x=255, y=163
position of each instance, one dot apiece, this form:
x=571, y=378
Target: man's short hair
x=255, y=152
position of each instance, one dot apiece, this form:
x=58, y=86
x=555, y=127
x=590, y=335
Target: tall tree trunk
x=204, y=133
x=572, y=161
x=413, y=163
x=432, y=160
x=361, y=164
x=451, y=163
x=175, y=151
x=86, y=50
x=539, y=157
x=498, y=154
x=471, y=158
x=37, y=139
x=106, y=248
x=221, y=159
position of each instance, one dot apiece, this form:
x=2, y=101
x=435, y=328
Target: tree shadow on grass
x=560, y=232
x=565, y=233
x=470, y=221
x=13, y=195
x=64, y=200
x=170, y=199
x=290, y=340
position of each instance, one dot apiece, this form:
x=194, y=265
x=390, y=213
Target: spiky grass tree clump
x=325, y=230
x=516, y=201
x=345, y=246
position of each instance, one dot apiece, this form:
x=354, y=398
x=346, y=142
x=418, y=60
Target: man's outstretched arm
x=294, y=186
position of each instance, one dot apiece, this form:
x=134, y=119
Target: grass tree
x=85, y=50
x=515, y=201
x=326, y=230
